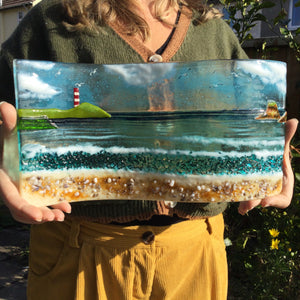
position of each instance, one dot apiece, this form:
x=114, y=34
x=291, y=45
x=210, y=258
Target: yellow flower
x=275, y=244
x=274, y=232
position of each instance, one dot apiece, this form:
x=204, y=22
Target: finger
x=63, y=206
x=58, y=215
x=290, y=129
x=279, y=201
x=8, y=115
x=8, y=118
x=245, y=206
x=59, y=209
x=30, y=214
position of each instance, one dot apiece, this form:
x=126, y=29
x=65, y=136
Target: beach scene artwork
x=204, y=131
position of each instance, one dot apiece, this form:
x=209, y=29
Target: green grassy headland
x=84, y=110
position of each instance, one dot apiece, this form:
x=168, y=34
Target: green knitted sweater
x=42, y=36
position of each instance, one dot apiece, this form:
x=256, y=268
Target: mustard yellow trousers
x=90, y=261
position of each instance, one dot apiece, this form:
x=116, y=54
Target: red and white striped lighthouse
x=76, y=97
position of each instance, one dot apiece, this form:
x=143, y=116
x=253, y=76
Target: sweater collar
x=172, y=47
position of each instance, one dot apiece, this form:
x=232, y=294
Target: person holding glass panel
x=124, y=249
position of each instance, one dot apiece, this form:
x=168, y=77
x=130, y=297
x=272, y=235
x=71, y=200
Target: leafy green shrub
x=244, y=15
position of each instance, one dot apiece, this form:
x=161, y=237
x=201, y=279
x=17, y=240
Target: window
x=294, y=15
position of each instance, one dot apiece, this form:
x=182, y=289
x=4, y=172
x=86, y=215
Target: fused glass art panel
x=206, y=131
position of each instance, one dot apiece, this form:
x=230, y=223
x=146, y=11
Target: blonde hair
x=93, y=14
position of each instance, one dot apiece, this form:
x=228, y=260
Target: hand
x=19, y=208
x=283, y=199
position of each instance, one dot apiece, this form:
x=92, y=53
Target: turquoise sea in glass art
x=204, y=131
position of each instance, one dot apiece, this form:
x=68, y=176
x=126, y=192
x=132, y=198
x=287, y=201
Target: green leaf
x=236, y=27
x=297, y=4
x=248, y=265
x=283, y=31
x=280, y=17
x=245, y=242
x=267, y=4
x=291, y=45
x=297, y=31
x=248, y=36
x=259, y=17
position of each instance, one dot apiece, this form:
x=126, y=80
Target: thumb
x=245, y=206
x=8, y=115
